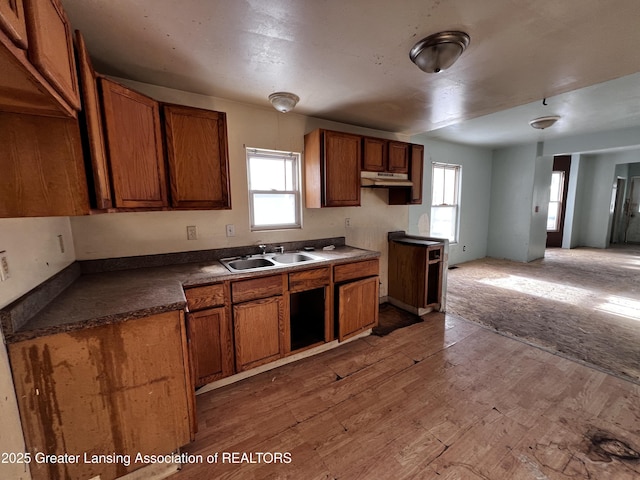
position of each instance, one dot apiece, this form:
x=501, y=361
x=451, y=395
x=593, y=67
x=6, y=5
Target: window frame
x=557, y=203
x=296, y=191
x=457, y=168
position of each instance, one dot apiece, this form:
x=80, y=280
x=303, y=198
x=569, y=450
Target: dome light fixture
x=439, y=51
x=283, y=101
x=544, y=122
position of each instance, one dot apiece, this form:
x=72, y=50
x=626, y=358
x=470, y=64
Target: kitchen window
x=274, y=189
x=555, y=201
x=445, y=201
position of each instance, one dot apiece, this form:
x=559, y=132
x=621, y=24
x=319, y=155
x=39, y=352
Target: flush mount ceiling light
x=544, y=122
x=283, y=101
x=439, y=51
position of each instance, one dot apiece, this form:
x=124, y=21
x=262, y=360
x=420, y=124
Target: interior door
x=557, y=203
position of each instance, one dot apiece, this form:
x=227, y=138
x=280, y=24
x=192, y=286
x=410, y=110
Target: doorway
x=619, y=214
x=632, y=213
x=557, y=204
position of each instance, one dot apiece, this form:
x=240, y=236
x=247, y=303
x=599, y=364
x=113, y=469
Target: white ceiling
x=348, y=60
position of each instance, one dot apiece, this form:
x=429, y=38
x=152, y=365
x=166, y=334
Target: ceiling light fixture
x=439, y=51
x=283, y=101
x=544, y=122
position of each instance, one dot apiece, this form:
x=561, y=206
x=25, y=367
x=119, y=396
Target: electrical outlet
x=464, y=248
x=4, y=266
x=231, y=230
x=192, y=232
x=61, y=243
x=347, y=222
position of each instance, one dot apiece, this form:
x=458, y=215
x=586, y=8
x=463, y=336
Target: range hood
x=384, y=179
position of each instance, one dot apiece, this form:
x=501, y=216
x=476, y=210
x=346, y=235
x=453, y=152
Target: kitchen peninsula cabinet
x=119, y=388
x=332, y=169
x=134, y=146
x=356, y=297
x=210, y=334
x=258, y=321
x=197, y=156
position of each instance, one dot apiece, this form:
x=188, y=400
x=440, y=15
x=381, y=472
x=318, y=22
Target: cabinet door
x=93, y=121
x=342, y=154
x=398, y=157
x=51, y=47
x=134, y=143
x=12, y=21
x=198, y=157
x=374, y=154
x=258, y=332
x=415, y=173
x=357, y=307
x=210, y=344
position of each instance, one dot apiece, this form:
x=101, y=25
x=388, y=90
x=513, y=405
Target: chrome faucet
x=280, y=249
x=263, y=249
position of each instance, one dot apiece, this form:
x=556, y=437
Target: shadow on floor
x=391, y=318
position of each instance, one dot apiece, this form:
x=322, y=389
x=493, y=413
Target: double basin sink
x=268, y=260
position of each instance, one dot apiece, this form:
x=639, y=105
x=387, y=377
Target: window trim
x=296, y=192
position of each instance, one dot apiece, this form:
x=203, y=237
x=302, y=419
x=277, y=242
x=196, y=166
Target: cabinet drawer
x=309, y=279
x=208, y=296
x=256, y=288
x=349, y=271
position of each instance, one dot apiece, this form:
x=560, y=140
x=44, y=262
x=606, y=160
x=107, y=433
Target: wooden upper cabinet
x=332, y=169
x=51, y=47
x=42, y=167
x=411, y=195
x=198, y=157
x=374, y=154
x=398, y=157
x=12, y=22
x=93, y=119
x=134, y=145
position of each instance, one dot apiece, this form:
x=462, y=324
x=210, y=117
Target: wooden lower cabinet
x=357, y=307
x=121, y=388
x=258, y=332
x=211, y=345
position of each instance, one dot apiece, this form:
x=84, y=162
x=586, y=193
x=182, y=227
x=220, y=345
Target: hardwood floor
x=440, y=399
x=583, y=303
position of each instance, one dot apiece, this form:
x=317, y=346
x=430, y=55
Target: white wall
x=130, y=234
x=474, y=196
x=539, y=207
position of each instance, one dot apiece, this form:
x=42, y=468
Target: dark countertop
x=108, y=297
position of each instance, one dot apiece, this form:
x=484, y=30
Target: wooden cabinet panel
x=332, y=169
x=114, y=388
x=12, y=21
x=357, y=307
x=398, y=161
x=374, y=154
x=211, y=345
x=42, y=167
x=258, y=332
x=134, y=143
x=255, y=288
x=199, y=298
x=92, y=115
x=198, y=158
x=308, y=279
x=51, y=47
x=350, y=271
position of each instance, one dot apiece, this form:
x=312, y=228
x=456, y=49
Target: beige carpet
x=583, y=303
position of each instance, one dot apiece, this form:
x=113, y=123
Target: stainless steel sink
x=268, y=261
x=292, y=258
x=250, y=263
